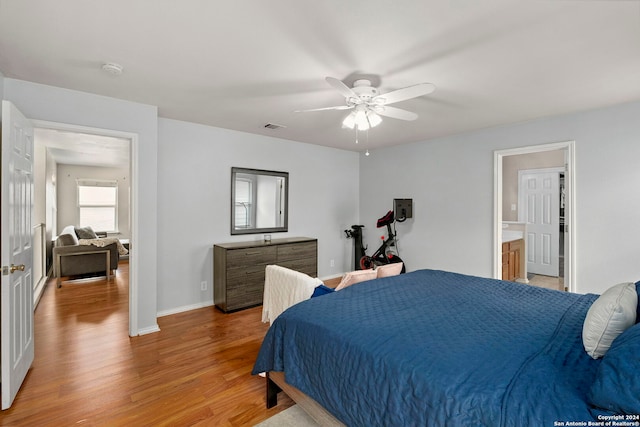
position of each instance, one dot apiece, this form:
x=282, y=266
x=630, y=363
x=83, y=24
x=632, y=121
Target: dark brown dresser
x=238, y=268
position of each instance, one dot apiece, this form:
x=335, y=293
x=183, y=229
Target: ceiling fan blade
x=341, y=87
x=396, y=113
x=405, y=93
x=338, y=107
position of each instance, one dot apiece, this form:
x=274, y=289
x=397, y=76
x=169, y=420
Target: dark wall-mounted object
x=403, y=209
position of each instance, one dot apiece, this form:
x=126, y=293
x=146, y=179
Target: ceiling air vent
x=273, y=126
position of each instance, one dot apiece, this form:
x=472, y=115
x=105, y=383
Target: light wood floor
x=88, y=372
x=548, y=282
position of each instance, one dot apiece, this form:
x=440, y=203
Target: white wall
x=451, y=182
x=59, y=105
x=194, y=193
x=67, y=176
x=39, y=217
x=184, y=186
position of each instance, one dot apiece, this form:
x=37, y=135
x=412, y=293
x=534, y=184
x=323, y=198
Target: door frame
x=570, y=258
x=133, y=203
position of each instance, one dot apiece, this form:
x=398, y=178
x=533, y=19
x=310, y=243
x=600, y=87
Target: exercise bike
x=387, y=253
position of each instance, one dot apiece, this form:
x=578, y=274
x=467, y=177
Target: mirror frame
x=256, y=230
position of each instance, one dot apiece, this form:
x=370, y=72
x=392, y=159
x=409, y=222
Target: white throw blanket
x=104, y=241
x=283, y=288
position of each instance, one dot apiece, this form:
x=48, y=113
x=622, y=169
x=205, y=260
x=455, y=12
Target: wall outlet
x=203, y=285
x=332, y=263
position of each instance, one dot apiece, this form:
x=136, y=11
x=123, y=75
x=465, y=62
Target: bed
x=439, y=348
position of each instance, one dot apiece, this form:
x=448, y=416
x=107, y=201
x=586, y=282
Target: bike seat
x=385, y=220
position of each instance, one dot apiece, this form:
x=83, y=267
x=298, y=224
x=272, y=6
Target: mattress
x=437, y=348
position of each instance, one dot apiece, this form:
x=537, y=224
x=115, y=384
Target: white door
x=16, y=311
x=539, y=207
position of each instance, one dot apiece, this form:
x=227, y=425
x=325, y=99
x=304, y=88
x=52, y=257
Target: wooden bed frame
x=276, y=383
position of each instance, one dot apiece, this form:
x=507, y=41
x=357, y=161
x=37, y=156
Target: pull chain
x=366, y=153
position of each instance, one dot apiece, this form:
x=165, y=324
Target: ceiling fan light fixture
x=373, y=118
x=361, y=120
x=349, y=121
x=369, y=105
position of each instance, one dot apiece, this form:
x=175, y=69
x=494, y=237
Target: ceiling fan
x=368, y=105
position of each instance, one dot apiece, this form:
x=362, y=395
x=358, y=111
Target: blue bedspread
x=437, y=348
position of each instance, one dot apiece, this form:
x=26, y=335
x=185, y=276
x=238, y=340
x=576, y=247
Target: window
x=98, y=205
x=243, y=205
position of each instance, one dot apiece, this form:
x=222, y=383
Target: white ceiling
x=75, y=148
x=243, y=64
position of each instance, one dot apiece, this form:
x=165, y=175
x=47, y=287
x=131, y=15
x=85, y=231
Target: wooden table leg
x=57, y=267
x=108, y=265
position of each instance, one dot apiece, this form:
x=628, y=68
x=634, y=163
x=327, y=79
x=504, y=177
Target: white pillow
x=356, y=277
x=388, y=270
x=610, y=315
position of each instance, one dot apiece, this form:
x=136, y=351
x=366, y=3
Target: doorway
x=509, y=207
x=539, y=209
x=103, y=137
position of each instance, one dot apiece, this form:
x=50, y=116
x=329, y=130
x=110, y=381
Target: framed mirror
x=259, y=201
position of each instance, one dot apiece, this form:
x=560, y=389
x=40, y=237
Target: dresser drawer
x=240, y=298
x=248, y=276
x=245, y=287
x=306, y=266
x=239, y=258
x=297, y=251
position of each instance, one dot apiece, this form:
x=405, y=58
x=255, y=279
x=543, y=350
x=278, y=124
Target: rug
x=290, y=417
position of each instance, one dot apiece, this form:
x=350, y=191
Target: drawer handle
x=252, y=253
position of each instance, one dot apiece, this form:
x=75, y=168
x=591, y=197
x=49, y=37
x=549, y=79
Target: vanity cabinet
x=238, y=268
x=511, y=259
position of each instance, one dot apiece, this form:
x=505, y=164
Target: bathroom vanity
x=513, y=252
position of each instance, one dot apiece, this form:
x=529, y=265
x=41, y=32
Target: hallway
x=88, y=372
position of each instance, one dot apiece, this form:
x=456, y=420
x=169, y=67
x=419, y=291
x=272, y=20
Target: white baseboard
x=38, y=290
x=184, y=308
x=149, y=330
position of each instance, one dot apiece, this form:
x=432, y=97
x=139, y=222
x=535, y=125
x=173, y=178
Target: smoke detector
x=112, y=68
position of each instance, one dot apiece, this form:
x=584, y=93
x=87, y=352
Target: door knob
x=13, y=268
